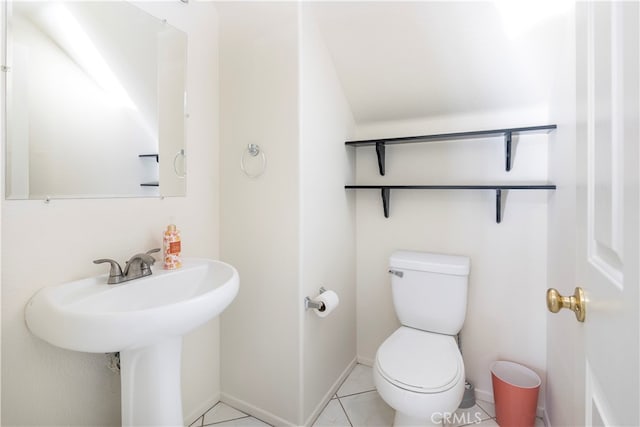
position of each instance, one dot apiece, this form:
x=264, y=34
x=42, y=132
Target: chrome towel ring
x=180, y=154
x=253, y=150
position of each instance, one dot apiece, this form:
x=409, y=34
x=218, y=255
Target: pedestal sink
x=144, y=320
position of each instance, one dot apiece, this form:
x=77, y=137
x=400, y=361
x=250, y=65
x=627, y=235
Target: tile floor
x=356, y=404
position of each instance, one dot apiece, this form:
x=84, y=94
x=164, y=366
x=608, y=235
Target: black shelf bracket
x=380, y=152
x=386, y=195
x=507, y=150
x=500, y=189
x=380, y=144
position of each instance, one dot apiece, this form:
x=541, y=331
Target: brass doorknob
x=575, y=302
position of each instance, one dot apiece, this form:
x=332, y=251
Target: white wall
x=45, y=244
x=505, y=316
x=327, y=218
x=291, y=230
x=259, y=218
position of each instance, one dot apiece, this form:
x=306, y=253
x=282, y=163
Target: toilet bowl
x=419, y=374
x=418, y=369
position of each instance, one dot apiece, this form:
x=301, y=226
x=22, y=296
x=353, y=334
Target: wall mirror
x=95, y=101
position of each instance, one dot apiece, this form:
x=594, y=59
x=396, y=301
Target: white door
x=608, y=161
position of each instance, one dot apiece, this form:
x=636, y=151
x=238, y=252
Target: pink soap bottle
x=172, y=248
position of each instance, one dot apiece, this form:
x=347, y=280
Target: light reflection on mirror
x=95, y=101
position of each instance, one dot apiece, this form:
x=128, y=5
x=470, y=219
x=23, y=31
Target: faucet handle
x=145, y=259
x=139, y=265
x=115, y=272
x=152, y=251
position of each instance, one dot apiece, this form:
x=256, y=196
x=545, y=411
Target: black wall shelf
x=381, y=144
x=498, y=188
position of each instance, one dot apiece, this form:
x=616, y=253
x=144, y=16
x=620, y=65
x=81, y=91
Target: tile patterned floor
x=356, y=404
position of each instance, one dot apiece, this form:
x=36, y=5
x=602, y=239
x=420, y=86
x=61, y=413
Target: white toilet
x=418, y=369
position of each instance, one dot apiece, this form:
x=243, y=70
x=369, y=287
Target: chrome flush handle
x=400, y=274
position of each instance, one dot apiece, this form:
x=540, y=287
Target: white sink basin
x=144, y=319
x=89, y=315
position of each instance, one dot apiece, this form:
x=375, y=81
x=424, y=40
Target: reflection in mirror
x=95, y=103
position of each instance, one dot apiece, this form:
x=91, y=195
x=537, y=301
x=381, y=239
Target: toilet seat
x=420, y=361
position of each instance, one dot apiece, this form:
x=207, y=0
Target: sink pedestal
x=150, y=383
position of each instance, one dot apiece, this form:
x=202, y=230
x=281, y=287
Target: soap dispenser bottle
x=171, y=248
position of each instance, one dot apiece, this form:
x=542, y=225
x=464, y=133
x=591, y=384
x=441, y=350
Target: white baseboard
x=204, y=407
x=486, y=396
x=254, y=411
x=332, y=391
x=365, y=361
x=272, y=419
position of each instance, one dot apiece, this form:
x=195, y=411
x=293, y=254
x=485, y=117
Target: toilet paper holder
x=319, y=305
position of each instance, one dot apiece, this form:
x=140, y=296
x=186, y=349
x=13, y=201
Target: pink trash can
x=515, y=392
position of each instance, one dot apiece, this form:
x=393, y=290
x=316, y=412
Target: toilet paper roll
x=330, y=300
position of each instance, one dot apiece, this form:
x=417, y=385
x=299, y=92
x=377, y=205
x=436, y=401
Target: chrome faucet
x=138, y=266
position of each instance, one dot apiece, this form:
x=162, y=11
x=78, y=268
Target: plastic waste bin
x=515, y=392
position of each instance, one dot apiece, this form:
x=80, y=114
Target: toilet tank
x=430, y=290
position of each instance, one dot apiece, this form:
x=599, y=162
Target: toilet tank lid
x=434, y=263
